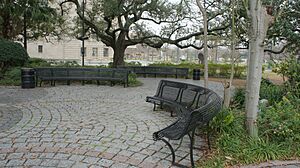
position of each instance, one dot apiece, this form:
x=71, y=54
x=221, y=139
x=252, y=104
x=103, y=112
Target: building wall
x=70, y=50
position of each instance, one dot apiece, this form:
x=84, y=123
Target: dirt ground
x=240, y=83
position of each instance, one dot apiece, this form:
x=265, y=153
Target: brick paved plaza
x=86, y=126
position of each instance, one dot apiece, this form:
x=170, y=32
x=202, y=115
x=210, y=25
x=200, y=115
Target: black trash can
x=27, y=78
x=196, y=74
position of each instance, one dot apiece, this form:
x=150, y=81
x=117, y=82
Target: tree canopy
x=35, y=17
x=122, y=23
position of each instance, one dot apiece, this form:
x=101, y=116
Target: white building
x=70, y=50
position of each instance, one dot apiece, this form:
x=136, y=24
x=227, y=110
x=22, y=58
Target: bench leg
x=154, y=107
x=98, y=83
x=171, y=148
x=41, y=83
x=68, y=82
x=191, y=146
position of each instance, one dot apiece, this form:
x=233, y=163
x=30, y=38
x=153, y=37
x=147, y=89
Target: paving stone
x=119, y=165
x=139, y=156
x=105, y=162
x=47, y=155
x=2, y=156
x=62, y=156
x=50, y=163
x=77, y=158
x=15, y=156
x=91, y=160
x=15, y=162
x=80, y=165
x=65, y=163
x=33, y=162
x=3, y=163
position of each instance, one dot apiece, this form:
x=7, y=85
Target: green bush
x=11, y=54
x=12, y=77
x=281, y=122
x=65, y=64
x=273, y=93
x=37, y=62
x=239, y=98
x=290, y=68
x=133, y=81
x=233, y=146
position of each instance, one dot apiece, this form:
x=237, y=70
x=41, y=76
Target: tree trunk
x=118, y=58
x=203, y=11
x=228, y=86
x=258, y=29
x=25, y=32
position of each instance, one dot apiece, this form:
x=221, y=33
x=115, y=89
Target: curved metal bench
x=195, y=106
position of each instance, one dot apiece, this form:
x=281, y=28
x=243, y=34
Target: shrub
x=233, y=146
x=11, y=54
x=65, y=64
x=239, y=98
x=37, y=62
x=273, y=93
x=281, y=122
x=290, y=68
x=133, y=81
x=12, y=77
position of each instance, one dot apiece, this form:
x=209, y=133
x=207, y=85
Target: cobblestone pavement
x=86, y=126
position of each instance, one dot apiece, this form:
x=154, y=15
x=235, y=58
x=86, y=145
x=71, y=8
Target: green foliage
x=65, y=64
x=41, y=19
x=290, y=68
x=239, y=98
x=11, y=54
x=281, y=122
x=273, y=93
x=12, y=77
x=133, y=81
x=233, y=146
x=37, y=62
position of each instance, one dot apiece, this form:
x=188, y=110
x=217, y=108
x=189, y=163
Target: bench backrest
x=82, y=72
x=44, y=72
x=205, y=113
x=187, y=95
x=170, y=90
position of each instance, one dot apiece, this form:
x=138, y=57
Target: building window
x=81, y=51
x=40, y=48
x=95, y=52
x=105, y=52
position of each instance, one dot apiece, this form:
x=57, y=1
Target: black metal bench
x=54, y=74
x=195, y=106
x=156, y=70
